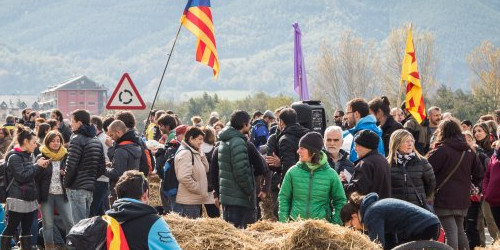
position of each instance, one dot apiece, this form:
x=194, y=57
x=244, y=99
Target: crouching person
x=142, y=226
x=390, y=221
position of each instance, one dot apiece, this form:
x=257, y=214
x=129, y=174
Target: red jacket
x=491, y=182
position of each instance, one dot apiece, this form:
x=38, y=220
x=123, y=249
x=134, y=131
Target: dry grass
x=495, y=246
x=205, y=233
x=154, y=191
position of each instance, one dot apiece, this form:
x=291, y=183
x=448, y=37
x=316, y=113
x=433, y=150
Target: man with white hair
x=397, y=114
x=337, y=157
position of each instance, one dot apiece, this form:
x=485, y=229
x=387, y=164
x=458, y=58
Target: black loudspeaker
x=311, y=114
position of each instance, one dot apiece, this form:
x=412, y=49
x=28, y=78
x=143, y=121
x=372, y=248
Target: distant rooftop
x=77, y=83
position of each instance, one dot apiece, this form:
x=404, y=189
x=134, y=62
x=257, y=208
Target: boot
x=6, y=242
x=25, y=242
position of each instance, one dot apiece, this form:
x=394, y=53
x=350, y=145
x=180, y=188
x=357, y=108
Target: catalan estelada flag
x=414, y=100
x=115, y=238
x=197, y=18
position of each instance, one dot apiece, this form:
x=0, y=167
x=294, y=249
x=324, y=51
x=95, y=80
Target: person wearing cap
x=311, y=189
x=259, y=132
x=371, y=172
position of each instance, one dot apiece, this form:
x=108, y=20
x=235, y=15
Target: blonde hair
x=397, y=139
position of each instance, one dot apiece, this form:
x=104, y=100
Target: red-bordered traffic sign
x=125, y=95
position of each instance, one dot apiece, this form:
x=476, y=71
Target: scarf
x=404, y=158
x=54, y=156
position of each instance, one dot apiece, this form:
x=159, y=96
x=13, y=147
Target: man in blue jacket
x=142, y=226
x=359, y=118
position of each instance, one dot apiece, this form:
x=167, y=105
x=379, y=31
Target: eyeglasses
x=349, y=112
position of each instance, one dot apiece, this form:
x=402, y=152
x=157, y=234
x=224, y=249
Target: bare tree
x=484, y=62
x=345, y=70
x=392, y=60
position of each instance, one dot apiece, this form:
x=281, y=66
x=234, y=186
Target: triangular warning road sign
x=125, y=96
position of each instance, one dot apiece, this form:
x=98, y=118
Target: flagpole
x=399, y=93
x=161, y=79
x=402, y=82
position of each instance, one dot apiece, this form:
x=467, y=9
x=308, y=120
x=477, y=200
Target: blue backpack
x=259, y=133
x=170, y=182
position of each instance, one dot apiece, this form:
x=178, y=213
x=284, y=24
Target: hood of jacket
x=128, y=142
x=367, y=122
x=457, y=142
x=295, y=130
x=229, y=132
x=366, y=203
x=125, y=209
x=86, y=130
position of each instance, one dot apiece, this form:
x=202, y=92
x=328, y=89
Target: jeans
x=100, y=202
x=452, y=221
x=26, y=220
x=79, y=200
x=239, y=216
x=190, y=211
x=58, y=202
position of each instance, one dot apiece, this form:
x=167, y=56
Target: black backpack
x=87, y=234
x=4, y=184
x=170, y=182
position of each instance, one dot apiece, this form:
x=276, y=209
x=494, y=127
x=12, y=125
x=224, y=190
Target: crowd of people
x=376, y=170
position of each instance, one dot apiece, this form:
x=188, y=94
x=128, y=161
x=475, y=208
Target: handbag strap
x=420, y=200
x=451, y=173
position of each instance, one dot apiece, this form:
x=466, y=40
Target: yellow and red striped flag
x=197, y=18
x=414, y=100
x=115, y=238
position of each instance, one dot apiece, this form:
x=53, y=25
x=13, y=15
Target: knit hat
x=181, y=129
x=367, y=139
x=312, y=141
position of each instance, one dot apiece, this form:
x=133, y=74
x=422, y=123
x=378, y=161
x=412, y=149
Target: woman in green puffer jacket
x=311, y=189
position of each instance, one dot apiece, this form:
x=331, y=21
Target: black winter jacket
x=127, y=156
x=20, y=167
x=420, y=172
x=85, y=161
x=288, y=144
x=388, y=128
x=371, y=174
x=44, y=178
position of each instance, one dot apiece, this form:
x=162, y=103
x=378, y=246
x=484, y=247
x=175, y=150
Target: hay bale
x=154, y=191
x=309, y=234
x=494, y=246
x=208, y=233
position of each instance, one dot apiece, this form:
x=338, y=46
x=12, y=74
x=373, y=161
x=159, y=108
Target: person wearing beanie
x=371, y=171
x=311, y=188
